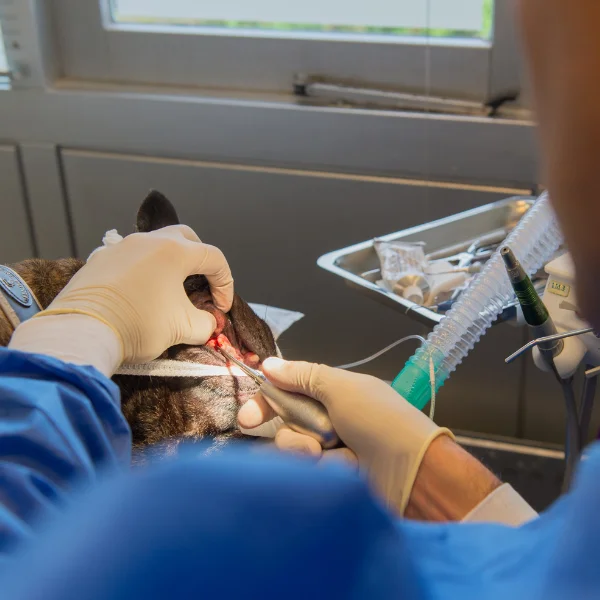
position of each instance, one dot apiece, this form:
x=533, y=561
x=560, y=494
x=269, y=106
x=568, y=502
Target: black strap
x=17, y=295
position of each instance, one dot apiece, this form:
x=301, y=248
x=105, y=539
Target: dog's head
x=168, y=410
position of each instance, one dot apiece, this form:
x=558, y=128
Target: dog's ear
x=155, y=213
x=250, y=329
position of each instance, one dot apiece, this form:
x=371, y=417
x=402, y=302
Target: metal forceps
x=478, y=250
x=299, y=412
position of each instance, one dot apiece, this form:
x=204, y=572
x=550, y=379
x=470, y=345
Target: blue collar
x=17, y=301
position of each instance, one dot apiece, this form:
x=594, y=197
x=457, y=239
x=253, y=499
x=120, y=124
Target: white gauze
x=278, y=319
x=110, y=238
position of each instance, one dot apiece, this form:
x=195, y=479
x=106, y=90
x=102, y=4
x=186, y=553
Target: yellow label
x=558, y=288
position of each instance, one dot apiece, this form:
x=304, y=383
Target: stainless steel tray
x=358, y=265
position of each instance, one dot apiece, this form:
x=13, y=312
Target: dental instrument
x=578, y=420
x=538, y=318
x=534, y=310
x=299, y=412
x=548, y=338
x=581, y=346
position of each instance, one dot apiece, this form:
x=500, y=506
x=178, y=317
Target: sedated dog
x=163, y=412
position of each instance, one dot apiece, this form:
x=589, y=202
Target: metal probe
x=299, y=412
x=549, y=338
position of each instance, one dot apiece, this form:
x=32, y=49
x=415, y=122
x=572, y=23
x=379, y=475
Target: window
x=459, y=48
x=437, y=18
x=3, y=62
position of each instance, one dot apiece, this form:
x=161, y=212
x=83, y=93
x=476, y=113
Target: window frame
x=92, y=47
x=29, y=43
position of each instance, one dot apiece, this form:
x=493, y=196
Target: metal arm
x=548, y=338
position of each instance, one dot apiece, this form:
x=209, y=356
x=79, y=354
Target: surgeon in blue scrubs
x=400, y=512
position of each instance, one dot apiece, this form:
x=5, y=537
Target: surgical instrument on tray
x=299, y=412
x=469, y=247
x=471, y=270
x=358, y=265
x=470, y=260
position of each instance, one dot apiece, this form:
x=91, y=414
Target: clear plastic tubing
x=534, y=241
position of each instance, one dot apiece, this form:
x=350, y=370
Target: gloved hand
x=135, y=287
x=387, y=434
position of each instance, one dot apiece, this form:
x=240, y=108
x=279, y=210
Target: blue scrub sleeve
x=245, y=525
x=238, y=524
x=60, y=426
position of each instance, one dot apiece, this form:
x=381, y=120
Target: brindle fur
x=166, y=411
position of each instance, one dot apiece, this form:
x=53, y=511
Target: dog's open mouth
x=225, y=335
x=241, y=353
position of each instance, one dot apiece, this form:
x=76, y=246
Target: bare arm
x=450, y=483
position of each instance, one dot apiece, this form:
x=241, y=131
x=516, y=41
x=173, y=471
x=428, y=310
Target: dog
x=164, y=412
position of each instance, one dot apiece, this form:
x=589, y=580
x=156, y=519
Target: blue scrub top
x=75, y=524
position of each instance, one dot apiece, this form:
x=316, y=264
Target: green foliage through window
x=485, y=33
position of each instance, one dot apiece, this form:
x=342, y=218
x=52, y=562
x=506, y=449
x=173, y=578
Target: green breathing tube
x=536, y=238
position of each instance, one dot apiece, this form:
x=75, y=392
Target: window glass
x=3, y=63
x=439, y=18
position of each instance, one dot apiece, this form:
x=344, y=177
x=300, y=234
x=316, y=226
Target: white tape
x=178, y=368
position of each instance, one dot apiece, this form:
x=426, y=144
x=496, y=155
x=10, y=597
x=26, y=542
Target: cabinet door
x=273, y=225
x=15, y=232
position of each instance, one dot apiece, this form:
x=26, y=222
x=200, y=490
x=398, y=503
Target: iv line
x=360, y=363
x=364, y=361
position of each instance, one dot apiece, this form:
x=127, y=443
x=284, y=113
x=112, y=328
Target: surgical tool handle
x=299, y=412
x=302, y=414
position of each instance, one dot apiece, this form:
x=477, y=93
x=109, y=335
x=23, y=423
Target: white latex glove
x=388, y=435
x=135, y=287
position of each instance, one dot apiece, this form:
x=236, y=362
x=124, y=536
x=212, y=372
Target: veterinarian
x=74, y=523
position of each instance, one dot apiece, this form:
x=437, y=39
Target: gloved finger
x=178, y=232
x=255, y=412
x=209, y=261
x=297, y=443
x=344, y=455
x=203, y=259
x=306, y=378
x=199, y=327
